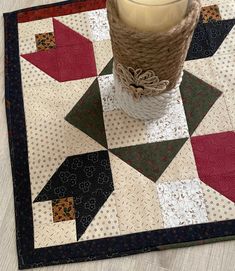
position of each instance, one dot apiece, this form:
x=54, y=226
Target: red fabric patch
x=215, y=160
x=65, y=36
x=72, y=59
x=59, y=10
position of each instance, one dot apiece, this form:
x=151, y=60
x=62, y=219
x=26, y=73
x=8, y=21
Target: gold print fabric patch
x=210, y=13
x=45, y=41
x=63, y=209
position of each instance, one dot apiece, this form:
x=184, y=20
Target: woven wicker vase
x=148, y=66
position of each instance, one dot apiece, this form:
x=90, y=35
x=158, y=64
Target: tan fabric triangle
x=105, y=223
x=216, y=120
x=218, y=207
x=182, y=166
x=136, y=198
x=103, y=54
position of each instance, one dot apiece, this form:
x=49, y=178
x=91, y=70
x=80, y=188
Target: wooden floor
x=214, y=257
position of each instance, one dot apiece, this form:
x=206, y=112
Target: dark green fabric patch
x=198, y=97
x=87, y=115
x=108, y=68
x=150, y=159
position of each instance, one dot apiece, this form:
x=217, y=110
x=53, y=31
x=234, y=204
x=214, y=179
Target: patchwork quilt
x=89, y=181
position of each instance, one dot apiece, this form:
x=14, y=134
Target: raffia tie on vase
x=140, y=83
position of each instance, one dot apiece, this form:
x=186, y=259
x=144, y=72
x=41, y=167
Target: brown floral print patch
x=63, y=209
x=210, y=13
x=45, y=41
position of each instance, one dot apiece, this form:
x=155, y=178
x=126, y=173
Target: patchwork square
x=228, y=46
x=27, y=32
x=63, y=209
x=218, y=207
x=79, y=188
x=178, y=169
x=77, y=22
x=105, y=223
x=90, y=182
x=227, y=9
x=225, y=68
x=138, y=207
x=198, y=98
x=103, y=54
x=45, y=41
x=216, y=120
x=214, y=155
x=173, y=125
x=205, y=69
x=46, y=235
x=122, y=130
x=92, y=24
x=72, y=52
x=208, y=37
x=150, y=159
x=33, y=76
x=182, y=203
x=42, y=213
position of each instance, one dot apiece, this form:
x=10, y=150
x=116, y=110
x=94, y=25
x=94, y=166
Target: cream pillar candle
x=152, y=15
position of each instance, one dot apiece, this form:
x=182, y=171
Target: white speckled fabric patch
x=182, y=203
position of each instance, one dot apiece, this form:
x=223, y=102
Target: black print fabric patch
x=88, y=179
x=208, y=37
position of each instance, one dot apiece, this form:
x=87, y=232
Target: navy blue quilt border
x=28, y=257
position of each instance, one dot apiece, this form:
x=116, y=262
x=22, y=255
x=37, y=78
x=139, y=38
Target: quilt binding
x=110, y=247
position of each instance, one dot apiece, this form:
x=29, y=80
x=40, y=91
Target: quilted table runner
x=89, y=181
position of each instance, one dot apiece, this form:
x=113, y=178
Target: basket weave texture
x=163, y=53
x=147, y=107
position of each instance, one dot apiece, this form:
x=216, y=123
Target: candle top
x=154, y=2
x=152, y=15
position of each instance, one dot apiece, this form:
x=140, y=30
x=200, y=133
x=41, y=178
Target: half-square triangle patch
x=215, y=156
x=72, y=59
x=150, y=159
